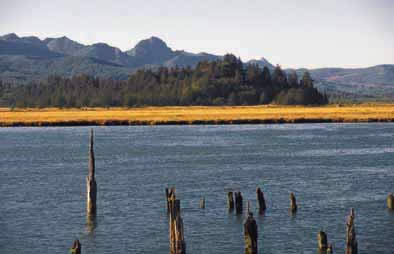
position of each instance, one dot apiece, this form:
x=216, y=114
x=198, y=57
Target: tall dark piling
x=91, y=185
x=390, y=201
x=76, y=248
x=250, y=235
x=293, y=203
x=261, y=200
x=351, y=241
x=238, y=202
x=230, y=201
x=322, y=241
x=176, y=235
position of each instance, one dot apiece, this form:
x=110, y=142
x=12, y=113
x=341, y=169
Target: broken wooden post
x=329, y=249
x=322, y=241
x=76, y=248
x=293, y=203
x=351, y=241
x=202, y=203
x=261, y=200
x=238, y=202
x=91, y=182
x=170, y=194
x=250, y=235
x=177, y=241
x=230, y=201
x=390, y=201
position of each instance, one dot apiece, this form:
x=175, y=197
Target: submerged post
x=230, y=201
x=238, y=202
x=351, y=241
x=250, y=235
x=202, y=203
x=261, y=200
x=76, y=248
x=293, y=203
x=91, y=185
x=390, y=201
x=177, y=241
x=322, y=241
x=329, y=249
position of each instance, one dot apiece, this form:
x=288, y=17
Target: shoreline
x=196, y=115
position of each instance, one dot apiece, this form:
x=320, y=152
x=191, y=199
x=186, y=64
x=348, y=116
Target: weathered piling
x=176, y=235
x=293, y=203
x=329, y=249
x=91, y=185
x=170, y=194
x=250, y=235
x=390, y=201
x=76, y=248
x=230, y=201
x=238, y=202
x=202, y=203
x=322, y=241
x=261, y=200
x=351, y=241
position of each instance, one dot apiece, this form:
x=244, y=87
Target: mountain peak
x=9, y=37
x=153, y=50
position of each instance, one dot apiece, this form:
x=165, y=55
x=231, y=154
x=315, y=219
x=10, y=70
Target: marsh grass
x=196, y=115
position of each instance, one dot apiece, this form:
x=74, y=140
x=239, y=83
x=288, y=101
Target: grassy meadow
x=196, y=115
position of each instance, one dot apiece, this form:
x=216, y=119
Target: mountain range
x=23, y=59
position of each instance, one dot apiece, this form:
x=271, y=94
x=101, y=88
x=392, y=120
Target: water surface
x=330, y=168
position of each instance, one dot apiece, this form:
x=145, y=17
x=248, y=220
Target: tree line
x=222, y=82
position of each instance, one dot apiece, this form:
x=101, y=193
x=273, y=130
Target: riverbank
x=196, y=115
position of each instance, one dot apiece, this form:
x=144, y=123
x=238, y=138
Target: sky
x=292, y=33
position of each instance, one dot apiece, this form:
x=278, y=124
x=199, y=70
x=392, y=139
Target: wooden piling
x=176, y=233
x=261, y=200
x=238, y=202
x=351, y=241
x=293, y=203
x=76, y=248
x=91, y=185
x=230, y=201
x=202, y=203
x=329, y=249
x=390, y=201
x=322, y=241
x=250, y=235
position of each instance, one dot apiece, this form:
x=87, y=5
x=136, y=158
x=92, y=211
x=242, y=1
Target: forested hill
x=222, y=82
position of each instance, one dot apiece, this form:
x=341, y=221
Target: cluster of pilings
x=234, y=200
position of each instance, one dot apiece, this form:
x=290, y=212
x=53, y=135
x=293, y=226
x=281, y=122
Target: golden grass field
x=196, y=115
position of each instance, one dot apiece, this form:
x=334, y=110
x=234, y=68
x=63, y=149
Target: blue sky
x=302, y=33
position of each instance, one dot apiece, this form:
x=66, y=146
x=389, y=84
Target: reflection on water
x=329, y=167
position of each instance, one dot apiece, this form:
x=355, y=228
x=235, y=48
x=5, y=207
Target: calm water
x=330, y=167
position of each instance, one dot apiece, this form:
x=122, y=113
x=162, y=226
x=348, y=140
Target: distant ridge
x=23, y=59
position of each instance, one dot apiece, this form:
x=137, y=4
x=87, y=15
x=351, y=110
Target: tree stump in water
x=261, y=200
x=293, y=203
x=390, y=201
x=238, y=202
x=322, y=241
x=351, y=241
x=250, y=235
x=91, y=185
x=230, y=201
x=170, y=194
x=176, y=235
x=76, y=248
